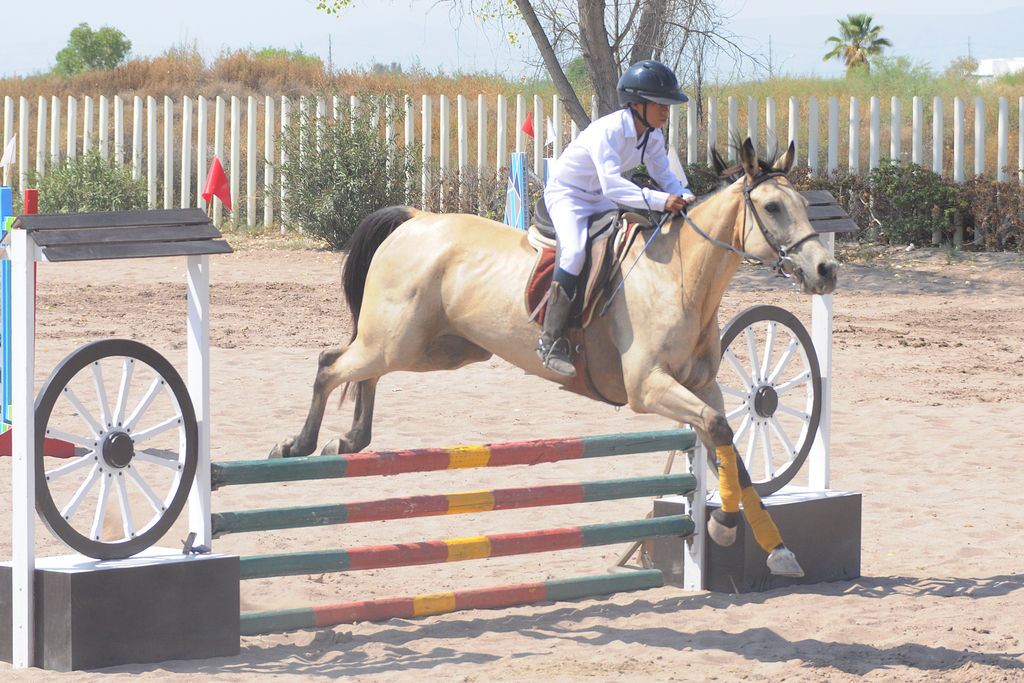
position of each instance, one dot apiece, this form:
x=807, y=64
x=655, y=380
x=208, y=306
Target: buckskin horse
x=437, y=292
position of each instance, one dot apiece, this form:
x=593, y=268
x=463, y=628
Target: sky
x=427, y=33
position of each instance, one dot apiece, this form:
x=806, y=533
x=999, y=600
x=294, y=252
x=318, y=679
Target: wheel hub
x=118, y=449
x=766, y=401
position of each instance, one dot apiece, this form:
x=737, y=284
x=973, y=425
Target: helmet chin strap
x=642, y=117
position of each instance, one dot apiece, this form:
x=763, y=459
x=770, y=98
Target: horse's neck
x=706, y=268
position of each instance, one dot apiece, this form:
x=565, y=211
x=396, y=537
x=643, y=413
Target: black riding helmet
x=649, y=81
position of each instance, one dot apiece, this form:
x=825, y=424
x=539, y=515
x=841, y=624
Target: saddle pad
x=597, y=278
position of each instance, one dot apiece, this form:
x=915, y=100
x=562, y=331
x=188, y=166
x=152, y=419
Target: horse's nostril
x=827, y=269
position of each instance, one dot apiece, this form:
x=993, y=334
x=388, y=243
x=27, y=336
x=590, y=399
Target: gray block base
x=822, y=528
x=157, y=606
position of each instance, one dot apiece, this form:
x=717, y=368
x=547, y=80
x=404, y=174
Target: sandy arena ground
x=927, y=415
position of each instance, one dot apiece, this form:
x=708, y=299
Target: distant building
x=990, y=68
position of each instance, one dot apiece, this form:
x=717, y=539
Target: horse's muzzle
x=818, y=278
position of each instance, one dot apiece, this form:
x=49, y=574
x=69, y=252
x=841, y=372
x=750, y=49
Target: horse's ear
x=717, y=162
x=786, y=162
x=748, y=159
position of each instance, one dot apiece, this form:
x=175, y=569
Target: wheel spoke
x=73, y=466
x=738, y=367
x=127, y=523
x=737, y=411
x=101, y=509
x=742, y=429
x=766, y=450
x=803, y=378
x=769, y=347
x=798, y=414
x=780, y=433
x=167, y=461
x=752, y=351
x=69, y=510
x=154, y=500
x=145, y=434
x=127, y=369
x=101, y=392
x=787, y=355
x=83, y=441
x=95, y=426
x=151, y=393
x=751, y=447
x=738, y=393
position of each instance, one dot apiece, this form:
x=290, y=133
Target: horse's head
x=773, y=223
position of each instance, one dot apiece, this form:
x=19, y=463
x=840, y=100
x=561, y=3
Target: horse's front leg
x=661, y=393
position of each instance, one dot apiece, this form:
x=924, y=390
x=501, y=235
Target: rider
x=587, y=179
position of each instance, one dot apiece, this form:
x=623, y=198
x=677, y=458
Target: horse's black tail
x=364, y=243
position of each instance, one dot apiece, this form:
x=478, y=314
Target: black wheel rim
x=135, y=456
x=771, y=382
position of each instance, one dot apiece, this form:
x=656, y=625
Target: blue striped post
x=516, y=196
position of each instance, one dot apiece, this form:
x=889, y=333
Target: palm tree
x=857, y=41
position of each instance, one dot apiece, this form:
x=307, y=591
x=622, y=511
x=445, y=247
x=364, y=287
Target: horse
x=439, y=291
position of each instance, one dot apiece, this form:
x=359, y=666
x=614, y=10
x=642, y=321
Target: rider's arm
x=608, y=164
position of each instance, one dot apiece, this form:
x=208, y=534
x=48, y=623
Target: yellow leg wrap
x=765, y=532
x=728, y=478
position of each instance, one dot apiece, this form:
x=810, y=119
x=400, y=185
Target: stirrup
x=556, y=356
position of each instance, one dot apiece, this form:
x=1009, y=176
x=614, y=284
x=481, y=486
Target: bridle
x=784, y=264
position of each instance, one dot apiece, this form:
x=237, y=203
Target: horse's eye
x=771, y=207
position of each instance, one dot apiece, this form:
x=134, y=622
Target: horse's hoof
x=332, y=447
x=722, y=527
x=782, y=562
x=282, y=449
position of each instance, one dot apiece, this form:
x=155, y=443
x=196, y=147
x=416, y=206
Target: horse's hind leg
x=328, y=378
x=359, y=436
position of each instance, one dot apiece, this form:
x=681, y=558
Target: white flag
x=10, y=152
x=676, y=166
x=550, y=138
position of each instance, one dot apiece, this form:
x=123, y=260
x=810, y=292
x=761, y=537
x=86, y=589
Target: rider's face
x=657, y=114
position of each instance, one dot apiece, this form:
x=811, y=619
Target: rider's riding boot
x=553, y=347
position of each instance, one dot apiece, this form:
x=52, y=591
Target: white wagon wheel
x=128, y=414
x=771, y=383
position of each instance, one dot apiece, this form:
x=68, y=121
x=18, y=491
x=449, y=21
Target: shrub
x=89, y=183
x=911, y=201
x=339, y=171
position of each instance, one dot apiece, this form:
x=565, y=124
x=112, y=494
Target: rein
x=779, y=265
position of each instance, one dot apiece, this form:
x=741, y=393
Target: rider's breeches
x=570, y=215
x=735, y=487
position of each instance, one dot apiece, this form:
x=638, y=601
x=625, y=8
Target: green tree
x=339, y=172
x=962, y=68
x=86, y=50
x=858, y=41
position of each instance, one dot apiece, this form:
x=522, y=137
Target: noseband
x=784, y=264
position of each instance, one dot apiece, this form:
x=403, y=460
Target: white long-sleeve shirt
x=590, y=171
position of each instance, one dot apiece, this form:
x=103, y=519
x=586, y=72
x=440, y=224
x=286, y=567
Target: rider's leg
x=553, y=347
x=571, y=228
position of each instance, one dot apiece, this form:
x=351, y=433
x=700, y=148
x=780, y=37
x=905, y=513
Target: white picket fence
x=172, y=143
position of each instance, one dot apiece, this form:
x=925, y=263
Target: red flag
x=528, y=124
x=217, y=184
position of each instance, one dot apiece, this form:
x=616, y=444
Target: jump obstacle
x=451, y=550
x=24, y=251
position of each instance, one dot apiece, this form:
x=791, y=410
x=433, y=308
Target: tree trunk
x=650, y=32
x=597, y=55
x=565, y=89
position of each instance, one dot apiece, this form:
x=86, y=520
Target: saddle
x=609, y=237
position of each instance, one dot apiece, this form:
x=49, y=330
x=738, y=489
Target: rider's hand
x=677, y=204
